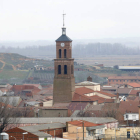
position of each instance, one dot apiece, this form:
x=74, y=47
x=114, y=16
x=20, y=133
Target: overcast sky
x=85, y=19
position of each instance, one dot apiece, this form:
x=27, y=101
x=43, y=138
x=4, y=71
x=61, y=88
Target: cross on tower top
x=63, y=19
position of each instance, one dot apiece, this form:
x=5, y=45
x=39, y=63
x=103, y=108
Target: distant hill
x=13, y=61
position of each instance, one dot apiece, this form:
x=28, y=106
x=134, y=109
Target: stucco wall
x=53, y=113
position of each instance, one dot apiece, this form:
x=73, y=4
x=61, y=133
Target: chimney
x=89, y=79
x=117, y=95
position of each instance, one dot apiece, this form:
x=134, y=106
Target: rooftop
x=80, y=123
x=83, y=90
x=129, y=106
x=123, y=90
x=86, y=83
x=134, y=84
x=63, y=38
x=43, y=120
x=107, y=94
x=134, y=92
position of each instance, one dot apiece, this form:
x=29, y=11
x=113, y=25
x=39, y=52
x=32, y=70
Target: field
x=11, y=76
x=110, y=60
x=10, y=73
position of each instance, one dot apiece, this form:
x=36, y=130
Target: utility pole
x=83, y=130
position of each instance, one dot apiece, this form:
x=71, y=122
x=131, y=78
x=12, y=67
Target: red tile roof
x=79, y=97
x=134, y=84
x=129, y=106
x=80, y=123
x=83, y=90
x=101, y=99
x=107, y=94
x=134, y=92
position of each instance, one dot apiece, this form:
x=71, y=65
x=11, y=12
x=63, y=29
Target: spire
x=63, y=28
x=63, y=19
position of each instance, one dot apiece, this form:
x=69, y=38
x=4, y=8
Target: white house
x=131, y=116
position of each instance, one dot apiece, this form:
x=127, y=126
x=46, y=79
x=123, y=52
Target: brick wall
x=18, y=134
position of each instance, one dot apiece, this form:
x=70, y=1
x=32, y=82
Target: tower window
x=71, y=69
x=65, y=69
x=59, y=53
x=65, y=53
x=59, y=69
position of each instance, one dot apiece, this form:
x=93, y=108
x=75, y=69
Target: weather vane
x=63, y=19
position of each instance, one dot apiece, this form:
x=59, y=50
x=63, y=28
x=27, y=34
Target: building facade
x=123, y=79
x=64, y=81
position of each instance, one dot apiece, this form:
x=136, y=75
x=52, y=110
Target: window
x=89, y=133
x=65, y=69
x=71, y=69
x=59, y=69
x=59, y=53
x=131, y=80
x=65, y=53
x=120, y=80
x=128, y=134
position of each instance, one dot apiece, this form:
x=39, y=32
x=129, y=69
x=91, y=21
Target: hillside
x=12, y=61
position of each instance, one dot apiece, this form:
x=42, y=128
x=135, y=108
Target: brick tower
x=64, y=81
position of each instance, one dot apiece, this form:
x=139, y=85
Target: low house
x=122, y=133
x=80, y=129
x=123, y=91
x=38, y=132
x=88, y=84
x=123, y=79
x=129, y=112
x=27, y=132
x=84, y=94
x=134, y=86
x=109, y=88
x=53, y=111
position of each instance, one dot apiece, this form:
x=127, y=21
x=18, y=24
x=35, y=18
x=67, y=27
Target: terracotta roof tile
x=129, y=106
x=83, y=90
x=107, y=94
x=79, y=97
x=134, y=84
x=134, y=92
x=80, y=123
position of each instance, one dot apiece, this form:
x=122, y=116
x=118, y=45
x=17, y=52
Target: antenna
x=63, y=18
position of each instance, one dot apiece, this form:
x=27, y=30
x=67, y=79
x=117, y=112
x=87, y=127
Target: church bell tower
x=64, y=81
